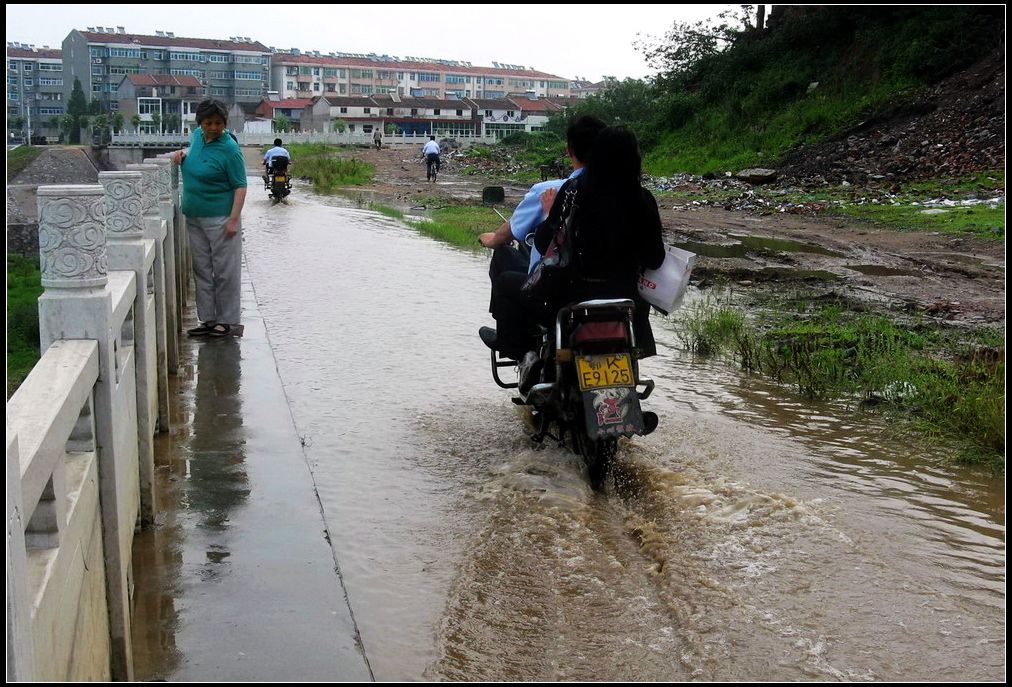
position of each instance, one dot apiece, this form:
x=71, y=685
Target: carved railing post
x=166, y=210
x=129, y=250
x=78, y=304
x=154, y=228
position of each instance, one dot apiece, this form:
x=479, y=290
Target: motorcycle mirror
x=529, y=239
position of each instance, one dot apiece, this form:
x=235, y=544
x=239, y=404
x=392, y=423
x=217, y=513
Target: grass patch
x=981, y=220
x=19, y=158
x=459, y=225
x=322, y=164
x=945, y=382
x=386, y=210
x=24, y=286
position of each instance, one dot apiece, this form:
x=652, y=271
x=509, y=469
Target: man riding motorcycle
x=271, y=154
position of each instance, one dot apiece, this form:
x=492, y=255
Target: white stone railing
x=80, y=451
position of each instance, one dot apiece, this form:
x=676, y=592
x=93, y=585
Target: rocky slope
x=952, y=129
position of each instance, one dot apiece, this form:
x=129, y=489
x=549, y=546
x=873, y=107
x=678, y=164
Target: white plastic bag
x=664, y=287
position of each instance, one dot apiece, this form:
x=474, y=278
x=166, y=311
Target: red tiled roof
x=528, y=105
x=37, y=54
x=172, y=42
x=283, y=58
x=296, y=103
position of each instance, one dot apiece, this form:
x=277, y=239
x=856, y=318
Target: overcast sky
x=546, y=37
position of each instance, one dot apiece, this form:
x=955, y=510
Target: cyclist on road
x=430, y=151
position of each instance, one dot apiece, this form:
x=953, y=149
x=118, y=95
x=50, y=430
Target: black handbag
x=558, y=265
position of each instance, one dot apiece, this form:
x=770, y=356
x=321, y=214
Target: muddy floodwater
x=754, y=536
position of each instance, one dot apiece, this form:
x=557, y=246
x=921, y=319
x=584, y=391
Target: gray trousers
x=217, y=268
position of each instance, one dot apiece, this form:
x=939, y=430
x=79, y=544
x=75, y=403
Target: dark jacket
x=612, y=246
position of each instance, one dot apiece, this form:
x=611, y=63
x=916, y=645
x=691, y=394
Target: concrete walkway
x=237, y=580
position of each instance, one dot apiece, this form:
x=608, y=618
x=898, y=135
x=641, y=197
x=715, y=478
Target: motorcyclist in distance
x=272, y=153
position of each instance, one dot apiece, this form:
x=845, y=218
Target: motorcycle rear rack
x=505, y=362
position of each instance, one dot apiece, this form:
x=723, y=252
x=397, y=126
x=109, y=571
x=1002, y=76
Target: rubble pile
x=953, y=129
x=490, y=161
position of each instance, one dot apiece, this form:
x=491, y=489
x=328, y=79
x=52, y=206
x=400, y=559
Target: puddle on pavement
x=752, y=244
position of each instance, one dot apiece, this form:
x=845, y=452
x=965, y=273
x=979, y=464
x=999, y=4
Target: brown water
x=754, y=536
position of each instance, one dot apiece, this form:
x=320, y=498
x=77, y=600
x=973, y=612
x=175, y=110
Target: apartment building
x=236, y=70
x=161, y=102
x=410, y=115
x=295, y=74
x=35, y=99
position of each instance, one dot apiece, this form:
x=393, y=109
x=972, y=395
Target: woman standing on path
x=214, y=191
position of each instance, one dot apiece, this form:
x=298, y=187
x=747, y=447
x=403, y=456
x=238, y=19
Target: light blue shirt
x=276, y=150
x=529, y=213
x=430, y=147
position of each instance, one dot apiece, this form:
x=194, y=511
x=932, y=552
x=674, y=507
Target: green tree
x=83, y=123
x=67, y=124
x=77, y=107
x=391, y=128
x=96, y=107
x=54, y=123
x=118, y=120
x=135, y=121
x=338, y=126
x=100, y=126
x=172, y=122
x=281, y=122
x=156, y=119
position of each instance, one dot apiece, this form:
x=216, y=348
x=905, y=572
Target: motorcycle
x=583, y=382
x=277, y=181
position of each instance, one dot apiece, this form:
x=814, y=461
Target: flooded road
x=753, y=536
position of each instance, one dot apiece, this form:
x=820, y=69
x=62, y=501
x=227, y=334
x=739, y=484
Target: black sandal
x=201, y=330
x=219, y=330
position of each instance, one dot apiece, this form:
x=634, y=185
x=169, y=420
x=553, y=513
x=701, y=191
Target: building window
x=414, y=111
x=316, y=71
x=344, y=110
x=316, y=86
x=149, y=106
x=460, y=113
x=390, y=112
x=290, y=85
x=488, y=113
x=367, y=110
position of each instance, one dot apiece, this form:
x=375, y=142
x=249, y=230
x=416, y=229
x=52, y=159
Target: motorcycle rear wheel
x=599, y=455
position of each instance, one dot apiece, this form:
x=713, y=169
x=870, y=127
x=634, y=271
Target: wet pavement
x=754, y=536
x=237, y=581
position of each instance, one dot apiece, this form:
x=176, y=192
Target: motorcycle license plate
x=281, y=180
x=601, y=371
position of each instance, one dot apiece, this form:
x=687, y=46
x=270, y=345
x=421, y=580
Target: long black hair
x=615, y=221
